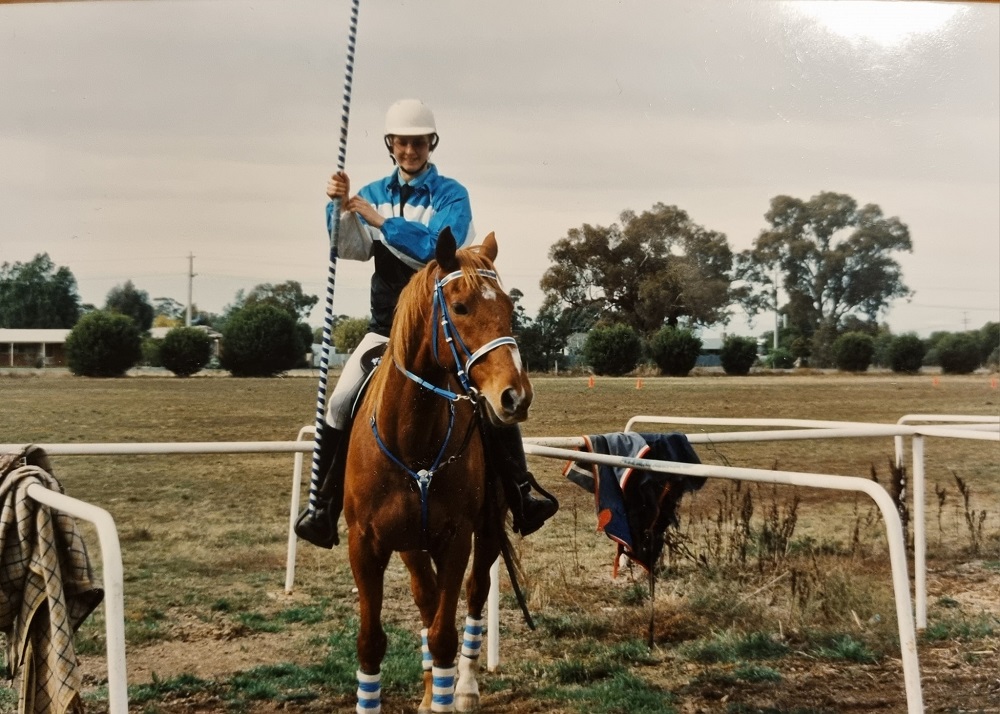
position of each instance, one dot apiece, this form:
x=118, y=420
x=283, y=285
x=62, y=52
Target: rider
x=397, y=220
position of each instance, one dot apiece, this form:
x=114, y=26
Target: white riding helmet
x=410, y=117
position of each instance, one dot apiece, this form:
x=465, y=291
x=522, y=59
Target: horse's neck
x=412, y=418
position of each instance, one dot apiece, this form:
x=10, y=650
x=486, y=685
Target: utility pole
x=776, y=313
x=191, y=274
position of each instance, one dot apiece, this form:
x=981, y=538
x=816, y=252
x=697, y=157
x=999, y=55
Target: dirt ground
x=954, y=676
x=214, y=528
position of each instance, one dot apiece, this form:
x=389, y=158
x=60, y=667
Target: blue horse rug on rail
x=635, y=508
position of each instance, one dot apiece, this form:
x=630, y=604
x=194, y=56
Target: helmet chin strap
x=407, y=175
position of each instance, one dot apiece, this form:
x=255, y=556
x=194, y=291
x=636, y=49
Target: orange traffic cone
x=590, y=382
x=638, y=383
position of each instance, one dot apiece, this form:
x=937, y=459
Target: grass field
x=745, y=621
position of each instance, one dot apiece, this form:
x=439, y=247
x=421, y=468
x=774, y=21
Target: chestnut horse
x=415, y=479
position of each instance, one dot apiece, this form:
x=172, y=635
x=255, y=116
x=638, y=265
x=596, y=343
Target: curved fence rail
x=979, y=428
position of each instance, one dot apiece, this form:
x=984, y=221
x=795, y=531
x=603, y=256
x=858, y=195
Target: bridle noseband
x=441, y=317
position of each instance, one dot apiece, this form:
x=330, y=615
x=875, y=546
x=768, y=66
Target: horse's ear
x=445, y=250
x=489, y=247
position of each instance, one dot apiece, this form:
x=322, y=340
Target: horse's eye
x=460, y=309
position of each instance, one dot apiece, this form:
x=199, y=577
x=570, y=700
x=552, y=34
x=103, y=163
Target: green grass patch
x=845, y=647
x=146, y=627
x=737, y=708
x=961, y=627
x=730, y=647
x=257, y=622
x=756, y=673
x=573, y=625
x=305, y=614
x=621, y=693
x=160, y=689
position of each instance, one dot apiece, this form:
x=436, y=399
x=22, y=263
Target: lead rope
x=331, y=281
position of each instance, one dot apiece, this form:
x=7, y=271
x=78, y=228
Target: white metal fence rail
x=890, y=517
x=114, y=586
x=955, y=426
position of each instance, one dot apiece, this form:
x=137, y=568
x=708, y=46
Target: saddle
x=369, y=361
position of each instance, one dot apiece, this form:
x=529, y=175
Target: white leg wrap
x=369, y=693
x=427, y=661
x=443, y=699
x=473, y=641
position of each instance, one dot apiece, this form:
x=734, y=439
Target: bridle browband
x=441, y=316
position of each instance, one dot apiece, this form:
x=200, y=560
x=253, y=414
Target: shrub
x=675, y=351
x=151, y=352
x=853, y=351
x=906, y=353
x=883, y=349
x=103, y=344
x=612, y=350
x=989, y=341
x=779, y=359
x=185, y=350
x=259, y=341
x=959, y=353
x=347, y=334
x=801, y=349
x=738, y=355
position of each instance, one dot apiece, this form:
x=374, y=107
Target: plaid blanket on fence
x=46, y=587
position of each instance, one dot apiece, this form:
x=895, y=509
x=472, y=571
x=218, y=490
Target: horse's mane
x=413, y=311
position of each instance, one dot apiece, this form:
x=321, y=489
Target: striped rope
x=331, y=281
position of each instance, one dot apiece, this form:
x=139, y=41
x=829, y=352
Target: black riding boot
x=505, y=450
x=319, y=526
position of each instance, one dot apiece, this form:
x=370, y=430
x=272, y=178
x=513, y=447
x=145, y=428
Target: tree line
x=263, y=332
x=658, y=274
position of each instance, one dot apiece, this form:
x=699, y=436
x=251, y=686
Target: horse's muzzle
x=512, y=405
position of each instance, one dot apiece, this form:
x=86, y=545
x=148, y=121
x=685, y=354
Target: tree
x=656, y=269
x=835, y=260
x=260, y=341
x=853, y=351
x=906, y=353
x=36, y=295
x=103, y=344
x=169, y=308
x=738, y=355
x=542, y=341
x=675, y=350
x=287, y=296
x=959, y=353
x=185, y=350
x=126, y=300
x=348, y=333
x=613, y=350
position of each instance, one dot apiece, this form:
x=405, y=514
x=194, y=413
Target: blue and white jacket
x=408, y=238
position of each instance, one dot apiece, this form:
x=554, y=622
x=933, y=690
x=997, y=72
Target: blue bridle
x=441, y=316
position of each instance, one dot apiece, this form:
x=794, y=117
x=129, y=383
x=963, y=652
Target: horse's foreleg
x=442, y=636
x=477, y=587
x=423, y=584
x=368, y=566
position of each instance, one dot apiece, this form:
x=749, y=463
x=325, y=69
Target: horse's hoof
x=466, y=702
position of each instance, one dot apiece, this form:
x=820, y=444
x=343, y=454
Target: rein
x=454, y=340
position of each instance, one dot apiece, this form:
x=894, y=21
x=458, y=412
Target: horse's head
x=473, y=318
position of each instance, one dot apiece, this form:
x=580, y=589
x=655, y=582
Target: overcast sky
x=133, y=134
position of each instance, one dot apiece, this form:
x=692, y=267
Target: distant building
x=711, y=349
x=33, y=348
